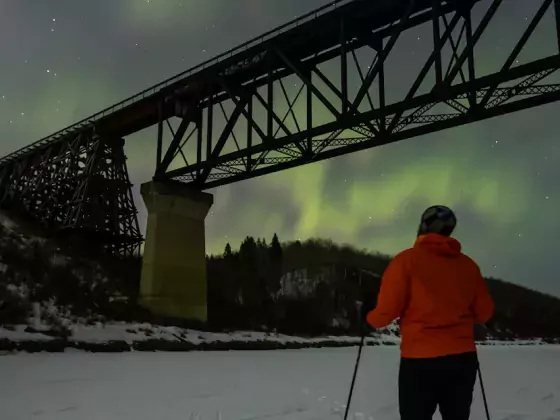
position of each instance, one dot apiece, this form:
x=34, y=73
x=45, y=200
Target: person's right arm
x=483, y=305
x=393, y=294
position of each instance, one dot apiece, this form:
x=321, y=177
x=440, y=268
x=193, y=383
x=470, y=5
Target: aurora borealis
x=66, y=60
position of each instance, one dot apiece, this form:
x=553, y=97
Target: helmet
x=437, y=219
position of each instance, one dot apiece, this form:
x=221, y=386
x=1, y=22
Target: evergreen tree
x=275, y=250
x=247, y=251
x=227, y=251
x=248, y=280
x=275, y=267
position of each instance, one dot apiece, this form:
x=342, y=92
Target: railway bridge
x=312, y=89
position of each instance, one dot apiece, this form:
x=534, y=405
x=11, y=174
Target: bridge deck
x=313, y=33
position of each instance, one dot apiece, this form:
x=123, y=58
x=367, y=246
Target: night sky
x=63, y=60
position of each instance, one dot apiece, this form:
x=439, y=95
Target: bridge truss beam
x=306, y=107
x=79, y=188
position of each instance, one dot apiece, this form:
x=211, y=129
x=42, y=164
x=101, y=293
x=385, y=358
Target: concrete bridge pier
x=173, y=281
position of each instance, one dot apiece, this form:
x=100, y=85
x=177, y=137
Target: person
x=439, y=294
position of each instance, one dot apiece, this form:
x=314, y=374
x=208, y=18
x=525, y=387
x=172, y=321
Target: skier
x=439, y=294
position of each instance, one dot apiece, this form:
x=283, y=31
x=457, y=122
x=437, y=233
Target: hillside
x=288, y=291
x=318, y=286
x=43, y=280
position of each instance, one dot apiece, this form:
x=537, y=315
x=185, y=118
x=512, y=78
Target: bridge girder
x=447, y=92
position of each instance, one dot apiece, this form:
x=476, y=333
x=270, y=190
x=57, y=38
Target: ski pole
x=355, y=374
x=483, y=393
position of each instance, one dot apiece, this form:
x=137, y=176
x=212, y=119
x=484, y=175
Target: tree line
x=318, y=287
x=314, y=287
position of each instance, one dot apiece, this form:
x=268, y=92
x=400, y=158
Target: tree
x=247, y=251
x=275, y=269
x=248, y=279
x=275, y=250
x=227, y=251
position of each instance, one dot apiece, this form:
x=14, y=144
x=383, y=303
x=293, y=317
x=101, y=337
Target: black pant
x=447, y=382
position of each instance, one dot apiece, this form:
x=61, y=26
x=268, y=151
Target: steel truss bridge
x=315, y=88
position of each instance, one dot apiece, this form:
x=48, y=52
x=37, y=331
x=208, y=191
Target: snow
x=129, y=333
x=12, y=228
x=521, y=383
x=299, y=283
x=6, y=222
x=120, y=331
x=19, y=334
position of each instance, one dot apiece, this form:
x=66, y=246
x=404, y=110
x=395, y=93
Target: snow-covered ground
x=522, y=383
x=130, y=333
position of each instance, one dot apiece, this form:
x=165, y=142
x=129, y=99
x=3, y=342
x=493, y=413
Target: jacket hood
x=439, y=244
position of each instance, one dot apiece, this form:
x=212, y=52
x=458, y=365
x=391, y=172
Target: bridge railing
x=333, y=5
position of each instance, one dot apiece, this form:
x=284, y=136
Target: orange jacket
x=438, y=293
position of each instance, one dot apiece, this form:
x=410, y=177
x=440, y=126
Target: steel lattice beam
x=79, y=187
x=364, y=119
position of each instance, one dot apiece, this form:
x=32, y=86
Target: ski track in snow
x=522, y=383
